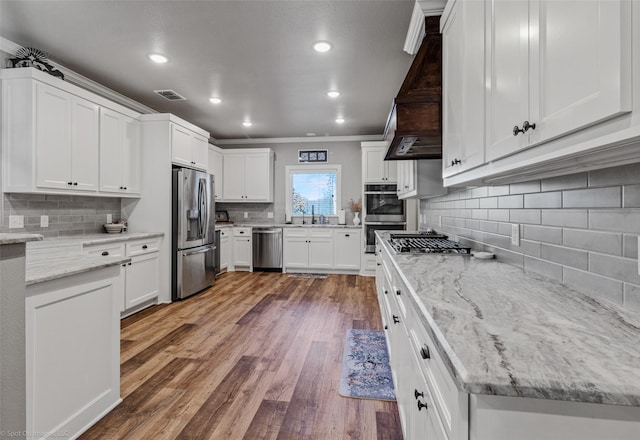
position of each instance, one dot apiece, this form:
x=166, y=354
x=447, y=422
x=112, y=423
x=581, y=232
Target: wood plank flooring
x=257, y=356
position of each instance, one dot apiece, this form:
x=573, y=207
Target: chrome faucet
x=313, y=216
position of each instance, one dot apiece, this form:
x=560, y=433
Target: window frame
x=311, y=169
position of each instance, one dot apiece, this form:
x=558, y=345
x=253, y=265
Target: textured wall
x=68, y=215
x=580, y=229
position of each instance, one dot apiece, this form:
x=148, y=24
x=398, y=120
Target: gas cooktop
x=429, y=242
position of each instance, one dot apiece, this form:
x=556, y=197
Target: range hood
x=414, y=126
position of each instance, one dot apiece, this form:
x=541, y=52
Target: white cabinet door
x=373, y=165
x=256, y=177
x=463, y=50
x=53, y=137
x=215, y=168
x=110, y=151
x=199, y=151
x=131, y=155
x=225, y=249
x=181, y=145
x=507, y=75
x=320, y=249
x=141, y=279
x=85, y=144
x=391, y=170
x=296, y=252
x=242, y=251
x=233, y=178
x=347, y=250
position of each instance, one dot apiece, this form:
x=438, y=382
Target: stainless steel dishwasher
x=267, y=249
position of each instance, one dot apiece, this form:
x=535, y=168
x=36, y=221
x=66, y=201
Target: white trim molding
x=415, y=34
x=299, y=140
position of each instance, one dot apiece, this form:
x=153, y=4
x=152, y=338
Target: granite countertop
x=10, y=238
x=61, y=257
x=285, y=225
x=506, y=332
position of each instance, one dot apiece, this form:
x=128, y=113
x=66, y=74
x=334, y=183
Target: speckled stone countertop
x=18, y=238
x=57, y=258
x=506, y=332
x=285, y=225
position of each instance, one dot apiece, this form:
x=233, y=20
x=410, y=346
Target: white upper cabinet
x=53, y=136
x=463, y=87
x=420, y=178
x=555, y=68
x=66, y=140
x=559, y=93
x=247, y=175
x=120, y=153
x=215, y=168
x=189, y=148
x=374, y=168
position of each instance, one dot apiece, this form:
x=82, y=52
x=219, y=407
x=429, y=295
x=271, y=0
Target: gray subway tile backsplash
x=581, y=229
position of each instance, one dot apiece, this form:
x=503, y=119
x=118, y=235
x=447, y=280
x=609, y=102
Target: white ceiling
x=256, y=55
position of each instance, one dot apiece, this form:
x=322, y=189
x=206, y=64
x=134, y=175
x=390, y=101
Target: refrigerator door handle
x=204, y=208
x=201, y=251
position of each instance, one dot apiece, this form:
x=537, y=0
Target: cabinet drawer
x=142, y=247
x=441, y=385
x=224, y=232
x=323, y=233
x=110, y=250
x=242, y=232
x=295, y=232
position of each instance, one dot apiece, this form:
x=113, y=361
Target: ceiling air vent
x=171, y=95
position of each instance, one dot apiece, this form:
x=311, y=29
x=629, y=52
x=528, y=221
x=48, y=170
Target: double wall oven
x=382, y=211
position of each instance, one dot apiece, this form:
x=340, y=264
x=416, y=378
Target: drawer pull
x=396, y=319
x=386, y=291
x=421, y=405
x=386, y=327
x=346, y=235
x=424, y=352
x=398, y=292
x=417, y=394
x=241, y=232
x=105, y=253
x=144, y=246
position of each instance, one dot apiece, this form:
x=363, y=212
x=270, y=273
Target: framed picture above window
x=313, y=156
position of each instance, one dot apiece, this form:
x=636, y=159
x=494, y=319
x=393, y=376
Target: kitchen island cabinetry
x=555, y=102
x=374, y=168
x=51, y=138
x=473, y=362
x=248, y=175
x=120, y=153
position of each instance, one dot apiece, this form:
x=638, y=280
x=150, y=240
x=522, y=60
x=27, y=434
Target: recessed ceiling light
x=157, y=58
x=322, y=46
x=215, y=100
x=339, y=120
x=247, y=123
x=333, y=94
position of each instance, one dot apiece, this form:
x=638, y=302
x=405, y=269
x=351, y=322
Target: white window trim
x=313, y=168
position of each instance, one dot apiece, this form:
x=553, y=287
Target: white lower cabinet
x=242, y=256
x=73, y=352
x=225, y=248
x=140, y=277
x=347, y=249
x=308, y=248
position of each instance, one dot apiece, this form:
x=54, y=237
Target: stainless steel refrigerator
x=194, y=246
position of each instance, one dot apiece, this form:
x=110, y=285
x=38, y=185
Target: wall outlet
x=109, y=218
x=246, y=215
x=16, y=221
x=44, y=221
x=439, y=221
x=269, y=214
x=515, y=235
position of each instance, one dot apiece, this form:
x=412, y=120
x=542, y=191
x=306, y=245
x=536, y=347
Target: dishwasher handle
x=267, y=231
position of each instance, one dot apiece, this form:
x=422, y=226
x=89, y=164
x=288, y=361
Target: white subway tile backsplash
x=472, y=203
x=595, y=285
x=525, y=187
x=603, y=242
x=619, y=220
x=543, y=200
x=572, y=218
x=531, y=216
x=489, y=202
x=530, y=248
x=631, y=196
x=566, y=256
x=619, y=268
x=630, y=246
x=500, y=215
x=511, y=202
x=624, y=175
x=592, y=198
x=632, y=296
x=544, y=234
x=572, y=181
x=480, y=192
x=542, y=267
x=497, y=190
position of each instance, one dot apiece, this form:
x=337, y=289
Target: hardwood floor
x=257, y=356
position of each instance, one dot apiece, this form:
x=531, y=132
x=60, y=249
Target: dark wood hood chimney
x=415, y=122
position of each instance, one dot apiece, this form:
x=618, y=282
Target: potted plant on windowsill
x=356, y=207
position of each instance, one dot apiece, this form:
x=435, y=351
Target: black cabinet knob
x=421, y=405
x=526, y=126
x=398, y=292
x=105, y=253
x=517, y=130
x=396, y=319
x=424, y=352
x=69, y=183
x=144, y=246
x=386, y=327
x=75, y=183
x=455, y=162
x=417, y=394
x=346, y=235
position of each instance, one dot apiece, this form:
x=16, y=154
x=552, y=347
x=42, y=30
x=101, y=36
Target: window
x=316, y=186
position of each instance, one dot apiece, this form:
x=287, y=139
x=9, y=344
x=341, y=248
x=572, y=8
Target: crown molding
x=81, y=81
x=298, y=140
x=415, y=34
